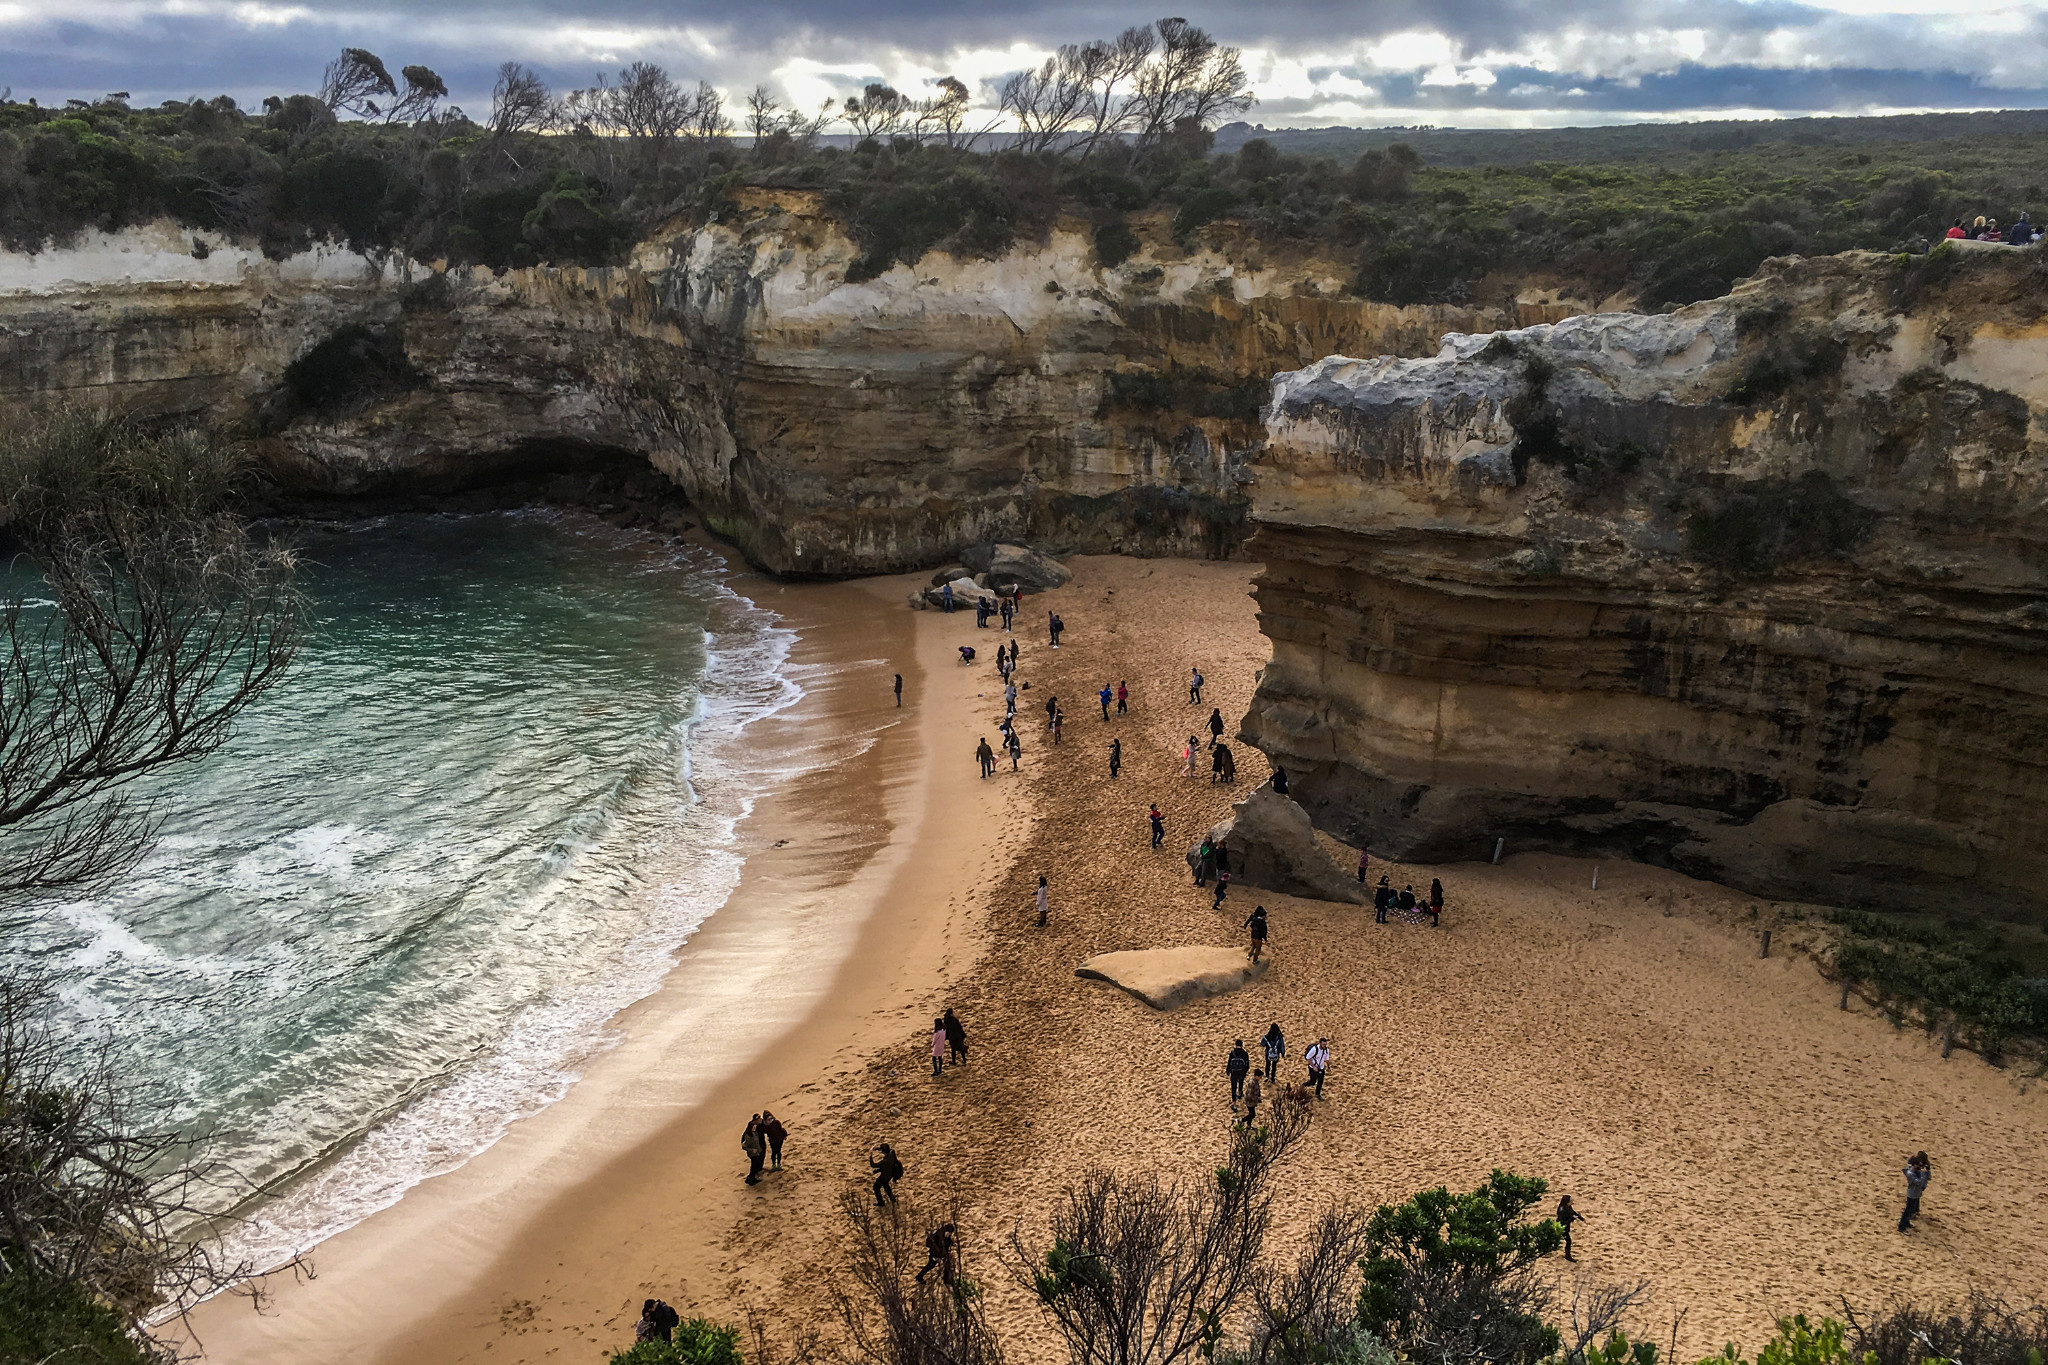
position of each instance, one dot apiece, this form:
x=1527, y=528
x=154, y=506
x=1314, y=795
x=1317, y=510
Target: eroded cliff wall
x=827, y=427
x=1754, y=589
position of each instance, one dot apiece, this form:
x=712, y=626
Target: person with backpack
x=1195, y=681
x=938, y=1253
x=1253, y=1093
x=1318, y=1059
x=755, y=1144
x=1237, y=1066
x=888, y=1170
x=772, y=1129
x=1158, y=822
x=956, y=1038
x=1274, y=1044
x=1919, y=1170
x=1257, y=924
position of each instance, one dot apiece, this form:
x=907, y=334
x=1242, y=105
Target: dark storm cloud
x=1599, y=57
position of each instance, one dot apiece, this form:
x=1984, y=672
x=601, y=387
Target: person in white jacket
x=1318, y=1058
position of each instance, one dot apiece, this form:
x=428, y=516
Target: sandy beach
x=1732, y=1136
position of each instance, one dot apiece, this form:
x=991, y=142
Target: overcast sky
x=1468, y=63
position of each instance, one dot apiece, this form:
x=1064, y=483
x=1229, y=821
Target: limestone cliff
x=1757, y=589
x=827, y=427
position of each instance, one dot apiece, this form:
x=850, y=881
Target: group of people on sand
x=949, y=1043
x=1248, y=1087
x=2018, y=233
x=1386, y=899
x=762, y=1142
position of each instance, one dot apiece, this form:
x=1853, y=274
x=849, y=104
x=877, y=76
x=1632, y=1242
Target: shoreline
x=768, y=994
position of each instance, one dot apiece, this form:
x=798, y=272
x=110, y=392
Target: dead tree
x=353, y=83
x=1301, y=1314
x=912, y=1301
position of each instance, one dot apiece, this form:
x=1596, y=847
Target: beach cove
x=1730, y=1133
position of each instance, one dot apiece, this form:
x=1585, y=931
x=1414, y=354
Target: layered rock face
x=1757, y=589
x=826, y=427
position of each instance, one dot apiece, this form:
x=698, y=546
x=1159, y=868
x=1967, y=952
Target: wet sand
x=1732, y=1136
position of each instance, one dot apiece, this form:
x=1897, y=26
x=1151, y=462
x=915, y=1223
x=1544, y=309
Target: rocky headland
x=825, y=427
x=1753, y=589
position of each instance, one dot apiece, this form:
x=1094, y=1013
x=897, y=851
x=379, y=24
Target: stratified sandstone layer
x=1754, y=589
x=825, y=426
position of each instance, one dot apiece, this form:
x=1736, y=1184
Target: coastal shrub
x=899, y=220
x=1751, y=529
x=1805, y=355
x=1982, y=1330
x=1976, y=972
x=1115, y=243
x=1798, y=1342
x=1450, y=1276
x=696, y=1342
x=42, y=1320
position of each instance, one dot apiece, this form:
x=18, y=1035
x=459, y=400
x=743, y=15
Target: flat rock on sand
x=1273, y=846
x=1165, y=978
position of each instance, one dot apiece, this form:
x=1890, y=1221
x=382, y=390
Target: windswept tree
x=520, y=102
x=1144, y=85
x=1193, y=81
x=354, y=82
x=424, y=89
x=878, y=111
x=943, y=116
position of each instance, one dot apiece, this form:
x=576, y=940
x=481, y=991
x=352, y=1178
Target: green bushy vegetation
x=1992, y=978
x=696, y=1342
x=42, y=1320
x=1753, y=528
x=575, y=179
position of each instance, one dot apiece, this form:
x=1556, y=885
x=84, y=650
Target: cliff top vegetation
x=1109, y=131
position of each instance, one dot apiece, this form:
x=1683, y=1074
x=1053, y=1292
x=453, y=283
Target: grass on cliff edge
x=1991, y=978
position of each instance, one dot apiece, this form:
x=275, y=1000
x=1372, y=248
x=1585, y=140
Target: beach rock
x=949, y=573
x=1016, y=566
x=965, y=591
x=1167, y=978
x=1273, y=846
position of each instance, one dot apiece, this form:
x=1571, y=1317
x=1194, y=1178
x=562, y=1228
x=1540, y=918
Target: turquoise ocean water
x=499, y=788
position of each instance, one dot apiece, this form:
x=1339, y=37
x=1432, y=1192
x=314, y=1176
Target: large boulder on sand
x=1166, y=978
x=965, y=593
x=1273, y=847
x=1015, y=566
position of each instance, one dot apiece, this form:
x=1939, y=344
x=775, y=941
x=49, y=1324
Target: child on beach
x=1222, y=886
x=1435, y=908
x=1253, y=1093
x=1188, y=758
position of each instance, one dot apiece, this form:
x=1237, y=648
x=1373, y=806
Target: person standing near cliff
x=1194, y=687
x=1257, y=924
x=986, y=757
x=1364, y=861
x=1222, y=887
x=1215, y=725
x=1158, y=825
x=946, y=599
x=1436, y=903
x=1116, y=758
x=899, y=689
x=1279, y=780
x=1919, y=1170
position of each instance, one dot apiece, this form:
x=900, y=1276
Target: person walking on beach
x=1195, y=687
x=1158, y=825
x=772, y=1129
x=1052, y=704
x=1436, y=903
x=1104, y=697
x=1382, y=897
x=1016, y=748
x=1237, y=1067
x=1364, y=861
x=1013, y=655
x=1257, y=924
x=899, y=689
x=1566, y=1216
x=1253, y=1093
x=938, y=1253
x=1044, y=902
x=1215, y=725
x=1010, y=700
x=1222, y=888
x=956, y=1038
x=1123, y=699
x=1116, y=757
x=986, y=757
x=1919, y=1170
x=938, y=1047
x=1059, y=724
x=1274, y=1044
x=1227, y=761
x=1318, y=1059
x=755, y=1144
x=1187, y=767
x=888, y=1170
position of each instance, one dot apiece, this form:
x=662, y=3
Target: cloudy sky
x=1465, y=63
